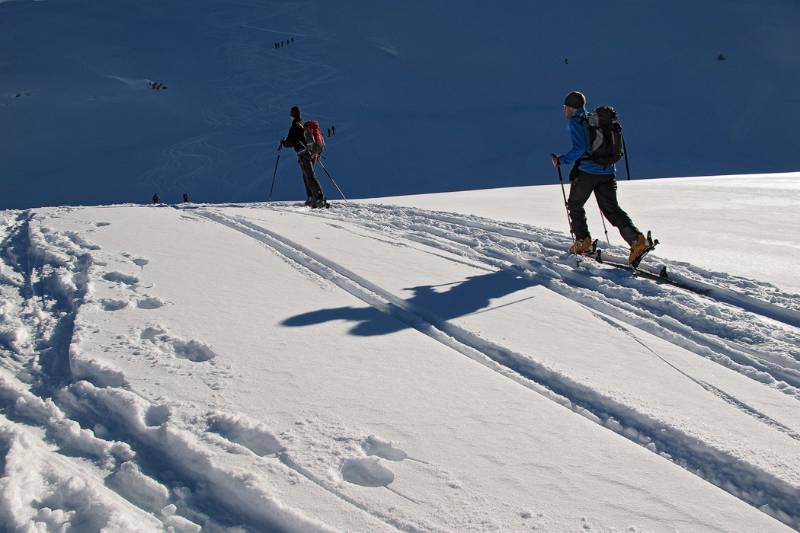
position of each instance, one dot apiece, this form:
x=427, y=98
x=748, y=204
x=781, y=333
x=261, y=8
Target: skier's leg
x=580, y=188
x=312, y=182
x=305, y=168
x=606, y=193
x=322, y=197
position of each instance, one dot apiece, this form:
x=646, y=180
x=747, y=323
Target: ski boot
x=581, y=246
x=641, y=247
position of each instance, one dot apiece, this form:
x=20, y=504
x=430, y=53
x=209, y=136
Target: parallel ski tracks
x=743, y=480
x=554, y=245
x=141, y=442
x=541, y=262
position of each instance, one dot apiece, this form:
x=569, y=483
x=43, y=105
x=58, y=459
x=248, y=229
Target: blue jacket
x=580, y=147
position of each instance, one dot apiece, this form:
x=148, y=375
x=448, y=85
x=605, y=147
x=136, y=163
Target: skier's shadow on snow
x=429, y=304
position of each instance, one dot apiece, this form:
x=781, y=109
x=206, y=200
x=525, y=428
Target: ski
x=660, y=274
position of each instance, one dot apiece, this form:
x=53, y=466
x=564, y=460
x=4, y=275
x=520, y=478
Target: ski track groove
x=53, y=379
x=47, y=357
x=744, y=481
x=559, y=276
x=744, y=301
x=716, y=391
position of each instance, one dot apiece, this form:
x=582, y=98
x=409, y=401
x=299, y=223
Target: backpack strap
x=587, y=154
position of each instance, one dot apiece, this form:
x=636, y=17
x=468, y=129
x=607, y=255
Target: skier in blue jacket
x=587, y=177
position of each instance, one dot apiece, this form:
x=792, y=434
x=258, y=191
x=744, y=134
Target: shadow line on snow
x=470, y=296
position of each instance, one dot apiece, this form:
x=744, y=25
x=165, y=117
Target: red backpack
x=315, y=142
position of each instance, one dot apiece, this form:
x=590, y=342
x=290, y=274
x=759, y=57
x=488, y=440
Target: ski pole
x=274, y=173
x=625, y=151
x=603, y=219
x=564, y=194
x=332, y=180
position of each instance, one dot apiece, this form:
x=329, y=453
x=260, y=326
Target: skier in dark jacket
x=587, y=177
x=296, y=139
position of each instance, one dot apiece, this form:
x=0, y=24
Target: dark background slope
x=425, y=96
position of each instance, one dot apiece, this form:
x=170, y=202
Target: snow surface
x=376, y=367
x=742, y=225
x=425, y=97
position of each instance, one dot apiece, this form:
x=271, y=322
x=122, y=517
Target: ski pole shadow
x=429, y=303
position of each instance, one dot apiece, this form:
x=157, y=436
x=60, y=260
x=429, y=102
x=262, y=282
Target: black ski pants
x=313, y=188
x=604, y=187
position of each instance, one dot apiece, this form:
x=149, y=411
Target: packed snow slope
x=425, y=96
x=373, y=367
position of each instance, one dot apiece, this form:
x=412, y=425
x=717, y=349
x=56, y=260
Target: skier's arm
x=578, y=144
x=293, y=137
x=288, y=142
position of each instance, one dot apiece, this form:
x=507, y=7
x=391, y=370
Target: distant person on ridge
x=587, y=177
x=156, y=199
x=306, y=156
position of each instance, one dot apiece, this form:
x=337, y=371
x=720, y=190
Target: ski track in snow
x=472, y=240
x=87, y=409
x=102, y=464
x=731, y=330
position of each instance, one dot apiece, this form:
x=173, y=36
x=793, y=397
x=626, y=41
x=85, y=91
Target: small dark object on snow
x=185, y=198
x=156, y=198
x=721, y=57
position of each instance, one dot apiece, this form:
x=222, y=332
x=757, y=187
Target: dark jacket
x=295, y=138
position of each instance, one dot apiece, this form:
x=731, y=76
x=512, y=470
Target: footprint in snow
x=151, y=333
x=138, y=261
x=151, y=302
x=252, y=434
x=366, y=472
x=113, y=305
x=157, y=415
x=192, y=350
x=119, y=277
x=382, y=448
x=80, y=242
